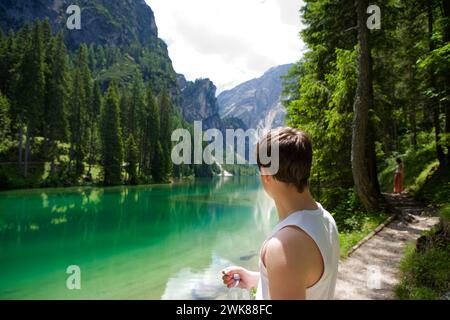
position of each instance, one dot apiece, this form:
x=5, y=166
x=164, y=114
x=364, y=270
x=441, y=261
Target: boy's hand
x=248, y=279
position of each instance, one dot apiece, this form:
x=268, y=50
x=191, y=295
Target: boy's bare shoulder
x=291, y=239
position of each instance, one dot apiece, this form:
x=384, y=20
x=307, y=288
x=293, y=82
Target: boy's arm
x=286, y=259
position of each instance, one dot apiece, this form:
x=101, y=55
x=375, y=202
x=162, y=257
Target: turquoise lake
x=143, y=242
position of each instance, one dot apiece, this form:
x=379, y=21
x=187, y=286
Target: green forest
x=102, y=115
x=99, y=114
x=368, y=97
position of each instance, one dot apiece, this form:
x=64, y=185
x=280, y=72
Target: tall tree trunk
x=446, y=10
x=364, y=186
x=371, y=156
x=435, y=105
x=412, y=106
x=371, y=152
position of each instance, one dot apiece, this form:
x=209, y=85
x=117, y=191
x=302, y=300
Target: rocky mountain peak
x=105, y=22
x=256, y=102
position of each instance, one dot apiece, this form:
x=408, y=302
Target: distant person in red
x=398, y=177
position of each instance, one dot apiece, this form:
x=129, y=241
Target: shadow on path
x=371, y=272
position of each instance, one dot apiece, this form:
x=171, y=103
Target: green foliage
x=4, y=117
x=55, y=124
x=78, y=114
x=150, y=136
x=30, y=95
x=158, y=174
x=433, y=185
x=94, y=111
x=414, y=161
x=136, y=105
x=132, y=160
x=424, y=268
x=444, y=213
x=424, y=275
x=165, y=135
x=367, y=224
x=324, y=110
x=112, y=148
x=349, y=214
x=51, y=110
x=410, y=68
x=121, y=72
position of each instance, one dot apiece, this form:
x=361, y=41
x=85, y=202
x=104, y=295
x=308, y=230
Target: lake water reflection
x=144, y=242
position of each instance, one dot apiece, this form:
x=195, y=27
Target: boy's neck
x=290, y=201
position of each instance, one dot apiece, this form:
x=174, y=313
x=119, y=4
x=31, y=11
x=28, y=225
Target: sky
x=229, y=41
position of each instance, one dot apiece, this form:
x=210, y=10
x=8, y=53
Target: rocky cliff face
x=105, y=22
x=121, y=23
x=199, y=102
x=256, y=102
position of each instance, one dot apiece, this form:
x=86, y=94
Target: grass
x=413, y=166
x=433, y=185
x=425, y=268
x=353, y=221
x=425, y=275
x=348, y=239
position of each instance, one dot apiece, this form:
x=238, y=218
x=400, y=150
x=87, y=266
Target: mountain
x=122, y=38
x=103, y=22
x=121, y=35
x=257, y=102
x=199, y=103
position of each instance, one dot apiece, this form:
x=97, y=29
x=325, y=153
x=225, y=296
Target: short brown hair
x=295, y=155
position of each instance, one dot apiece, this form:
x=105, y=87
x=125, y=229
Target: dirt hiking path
x=371, y=271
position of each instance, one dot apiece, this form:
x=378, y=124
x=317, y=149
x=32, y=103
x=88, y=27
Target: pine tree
x=124, y=112
x=151, y=129
x=158, y=174
x=4, y=66
x=92, y=58
x=132, y=159
x=30, y=95
x=57, y=87
x=112, y=149
x=365, y=188
x=46, y=32
x=136, y=105
x=100, y=57
x=94, y=115
x=4, y=117
x=80, y=103
x=12, y=64
x=165, y=134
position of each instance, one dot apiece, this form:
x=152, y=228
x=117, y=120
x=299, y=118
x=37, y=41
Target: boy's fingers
x=227, y=279
x=227, y=271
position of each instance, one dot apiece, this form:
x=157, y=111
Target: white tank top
x=321, y=227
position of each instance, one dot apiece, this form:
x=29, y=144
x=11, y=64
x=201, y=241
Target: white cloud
x=228, y=41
